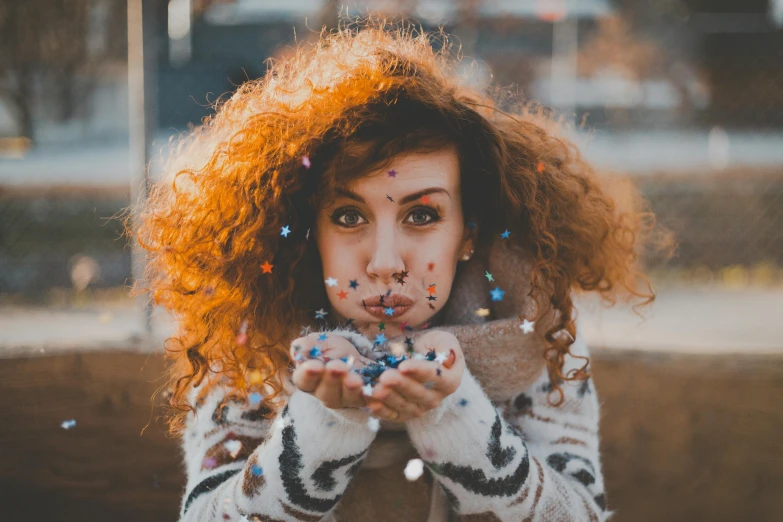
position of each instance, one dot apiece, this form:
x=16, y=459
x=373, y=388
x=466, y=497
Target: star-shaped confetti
x=425, y=199
x=353, y=283
x=505, y=234
x=315, y=351
x=431, y=288
x=392, y=173
x=68, y=424
x=285, y=231
x=306, y=162
x=540, y=166
x=255, y=398
x=266, y=267
x=320, y=314
x=497, y=294
x=380, y=338
x=322, y=337
x=367, y=389
x=430, y=266
x=432, y=298
x=342, y=294
x=331, y=281
x=381, y=326
x=527, y=326
x=389, y=198
x=441, y=357
x=414, y=469
x=388, y=310
x=401, y=276
x=488, y=276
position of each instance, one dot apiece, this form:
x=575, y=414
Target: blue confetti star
x=388, y=311
x=320, y=314
x=315, y=351
x=255, y=398
x=505, y=234
x=353, y=283
x=322, y=337
x=472, y=225
x=285, y=231
x=380, y=338
x=463, y=402
x=497, y=294
x=489, y=276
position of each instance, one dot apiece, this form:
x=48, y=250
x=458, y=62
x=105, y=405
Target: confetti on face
x=389, y=198
x=388, y=310
x=320, y=314
x=431, y=289
x=322, y=337
x=285, y=231
x=425, y=199
x=392, y=173
x=463, y=402
x=441, y=357
x=381, y=326
x=307, y=236
x=342, y=294
x=430, y=266
x=505, y=234
x=367, y=389
x=255, y=377
x=432, y=298
x=306, y=162
x=527, y=326
x=68, y=424
x=380, y=338
x=266, y=267
x=374, y=424
x=471, y=225
x=353, y=283
x=400, y=277
x=497, y=294
x=331, y=281
x=482, y=312
x=414, y=469
x=315, y=351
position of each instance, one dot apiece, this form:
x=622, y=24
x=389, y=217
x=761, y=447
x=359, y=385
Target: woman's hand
x=418, y=385
x=331, y=383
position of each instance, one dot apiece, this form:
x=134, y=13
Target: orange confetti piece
x=540, y=166
x=266, y=267
x=425, y=199
x=342, y=294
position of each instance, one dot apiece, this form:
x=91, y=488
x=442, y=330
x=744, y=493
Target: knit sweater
x=509, y=459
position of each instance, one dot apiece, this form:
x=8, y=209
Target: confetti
x=497, y=294
x=441, y=357
x=255, y=398
x=320, y=314
x=256, y=470
x=431, y=289
x=388, y=310
x=68, y=424
x=353, y=283
x=389, y=198
x=482, y=312
x=392, y=173
x=401, y=276
x=306, y=162
x=233, y=447
x=414, y=469
x=489, y=276
x=367, y=389
x=527, y=326
x=430, y=266
x=285, y=231
x=242, y=335
x=380, y=338
x=266, y=267
x=463, y=402
x=331, y=281
x=432, y=298
x=315, y=351
x=425, y=199
x=505, y=234
x=342, y=294
x=322, y=337
x=381, y=326
x=255, y=377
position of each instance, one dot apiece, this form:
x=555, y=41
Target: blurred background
x=680, y=98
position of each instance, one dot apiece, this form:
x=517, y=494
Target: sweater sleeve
x=295, y=466
x=523, y=460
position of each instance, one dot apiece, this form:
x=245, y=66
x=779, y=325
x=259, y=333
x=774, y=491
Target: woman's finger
x=395, y=401
x=307, y=375
x=330, y=390
x=352, y=391
x=381, y=411
x=428, y=373
x=410, y=389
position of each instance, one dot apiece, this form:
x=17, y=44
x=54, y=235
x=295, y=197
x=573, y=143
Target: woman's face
x=390, y=243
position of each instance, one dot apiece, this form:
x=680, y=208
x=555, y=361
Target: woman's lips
x=377, y=305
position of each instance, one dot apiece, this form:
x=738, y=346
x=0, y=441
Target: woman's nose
x=386, y=259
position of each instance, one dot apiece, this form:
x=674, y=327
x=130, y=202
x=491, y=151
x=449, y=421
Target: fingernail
x=451, y=360
x=337, y=373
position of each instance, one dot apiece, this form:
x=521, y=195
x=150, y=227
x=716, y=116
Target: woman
x=358, y=201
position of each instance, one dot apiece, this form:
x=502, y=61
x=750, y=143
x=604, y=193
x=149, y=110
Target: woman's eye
x=422, y=217
x=347, y=218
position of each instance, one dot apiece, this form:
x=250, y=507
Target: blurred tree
x=53, y=40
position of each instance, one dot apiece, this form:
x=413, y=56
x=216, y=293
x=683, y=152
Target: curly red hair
x=274, y=151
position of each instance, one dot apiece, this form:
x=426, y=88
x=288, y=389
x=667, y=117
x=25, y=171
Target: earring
x=466, y=257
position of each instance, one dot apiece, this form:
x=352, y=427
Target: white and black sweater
x=519, y=460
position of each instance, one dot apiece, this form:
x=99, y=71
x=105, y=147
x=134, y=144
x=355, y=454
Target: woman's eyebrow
x=420, y=193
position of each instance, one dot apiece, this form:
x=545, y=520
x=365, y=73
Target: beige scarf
x=501, y=357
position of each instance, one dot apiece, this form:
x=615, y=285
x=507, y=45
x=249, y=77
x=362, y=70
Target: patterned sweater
x=518, y=460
